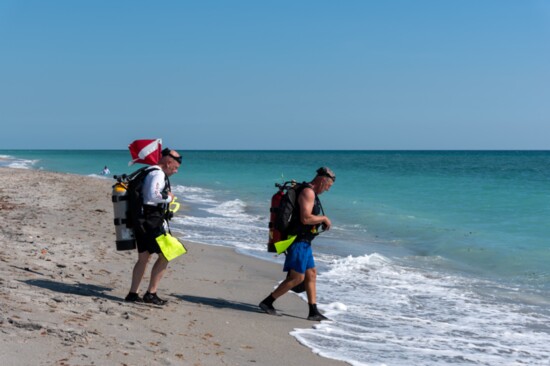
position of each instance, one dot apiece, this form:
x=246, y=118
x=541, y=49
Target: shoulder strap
x=301, y=187
x=320, y=205
x=142, y=172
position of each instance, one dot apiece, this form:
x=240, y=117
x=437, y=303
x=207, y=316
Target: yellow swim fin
x=171, y=247
x=282, y=246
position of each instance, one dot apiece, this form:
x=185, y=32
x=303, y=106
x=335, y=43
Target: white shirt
x=153, y=185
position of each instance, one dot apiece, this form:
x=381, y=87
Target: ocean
x=434, y=257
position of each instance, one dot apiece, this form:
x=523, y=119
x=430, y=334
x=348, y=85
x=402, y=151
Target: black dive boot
x=150, y=298
x=133, y=297
x=267, y=305
x=314, y=314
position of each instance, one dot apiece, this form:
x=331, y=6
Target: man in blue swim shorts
x=299, y=262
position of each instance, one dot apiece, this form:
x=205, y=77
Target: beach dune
x=62, y=285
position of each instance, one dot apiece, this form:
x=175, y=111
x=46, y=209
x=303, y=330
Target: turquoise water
x=447, y=249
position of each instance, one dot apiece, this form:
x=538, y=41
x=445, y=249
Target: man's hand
x=326, y=224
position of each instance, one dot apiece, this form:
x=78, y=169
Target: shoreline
x=63, y=285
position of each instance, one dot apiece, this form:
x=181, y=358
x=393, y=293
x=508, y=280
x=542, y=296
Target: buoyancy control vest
x=150, y=216
x=129, y=211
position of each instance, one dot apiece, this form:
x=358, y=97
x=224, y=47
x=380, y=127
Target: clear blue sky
x=287, y=74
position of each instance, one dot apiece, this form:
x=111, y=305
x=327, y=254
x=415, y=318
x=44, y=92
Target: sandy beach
x=62, y=285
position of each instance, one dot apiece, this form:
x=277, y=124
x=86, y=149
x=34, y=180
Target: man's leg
x=137, y=275
x=157, y=272
x=293, y=279
x=310, y=283
x=296, y=264
x=139, y=270
x=156, y=275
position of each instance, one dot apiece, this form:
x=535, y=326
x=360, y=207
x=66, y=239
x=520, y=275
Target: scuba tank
x=274, y=234
x=125, y=238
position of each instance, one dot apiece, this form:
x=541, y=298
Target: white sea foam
x=11, y=162
x=398, y=315
x=222, y=231
x=221, y=223
x=100, y=176
x=233, y=209
x=194, y=195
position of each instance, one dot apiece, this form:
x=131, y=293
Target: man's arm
x=306, y=200
x=153, y=187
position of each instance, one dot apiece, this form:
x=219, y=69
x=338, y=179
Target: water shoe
x=317, y=317
x=133, y=297
x=150, y=298
x=268, y=309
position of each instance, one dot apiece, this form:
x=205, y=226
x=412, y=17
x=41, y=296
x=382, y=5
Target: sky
x=276, y=75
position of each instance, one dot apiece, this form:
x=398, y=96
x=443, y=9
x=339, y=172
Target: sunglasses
x=323, y=173
x=167, y=152
x=176, y=158
x=329, y=176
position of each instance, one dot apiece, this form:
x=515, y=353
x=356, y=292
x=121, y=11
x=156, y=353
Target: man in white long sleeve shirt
x=156, y=197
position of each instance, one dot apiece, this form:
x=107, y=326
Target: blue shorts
x=299, y=258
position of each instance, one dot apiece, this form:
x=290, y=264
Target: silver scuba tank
x=125, y=238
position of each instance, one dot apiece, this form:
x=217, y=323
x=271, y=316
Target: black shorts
x=147, y=243
x=147, y=234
